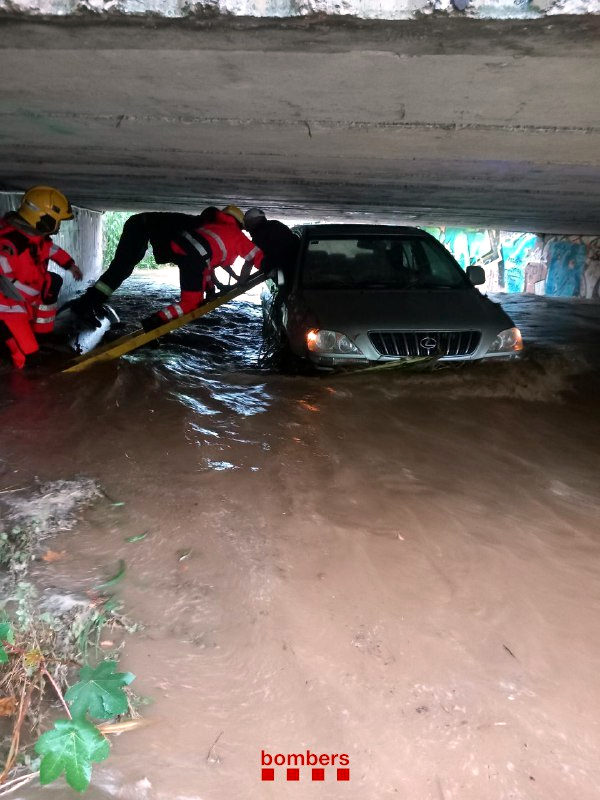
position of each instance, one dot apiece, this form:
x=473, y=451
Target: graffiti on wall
x=466, y=245
x=558, y=266
x=566, y=263
x=591, y=275
x=470, y=246
x=519, y=250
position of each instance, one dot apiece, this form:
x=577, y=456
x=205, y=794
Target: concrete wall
x=544, y=264
x=362, y=9
x=81, y=238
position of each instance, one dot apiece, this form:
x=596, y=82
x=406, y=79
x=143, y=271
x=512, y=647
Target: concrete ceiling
x=437, y=120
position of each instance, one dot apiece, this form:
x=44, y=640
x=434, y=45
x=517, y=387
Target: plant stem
x=14, y=745
x=17, y=783
x=56, y=688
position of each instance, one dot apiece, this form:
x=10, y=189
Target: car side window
x=440, y=266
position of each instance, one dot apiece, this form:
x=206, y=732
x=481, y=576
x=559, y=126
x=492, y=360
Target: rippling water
x=401, y=567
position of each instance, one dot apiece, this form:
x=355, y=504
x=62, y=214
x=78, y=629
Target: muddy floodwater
x=400, y=568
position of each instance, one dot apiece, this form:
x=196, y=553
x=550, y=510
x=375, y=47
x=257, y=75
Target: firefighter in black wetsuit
x=278, y=243
x=157, y=229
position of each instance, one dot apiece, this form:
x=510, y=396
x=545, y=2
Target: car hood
x=352, y=310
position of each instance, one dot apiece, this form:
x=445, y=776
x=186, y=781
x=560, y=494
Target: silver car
x=360, y=294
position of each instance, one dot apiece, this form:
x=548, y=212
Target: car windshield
x=379, y=262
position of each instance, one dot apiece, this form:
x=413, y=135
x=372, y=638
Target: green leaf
x=99, y=692
x=71, y=747
x=6, y=635
x=115, y=578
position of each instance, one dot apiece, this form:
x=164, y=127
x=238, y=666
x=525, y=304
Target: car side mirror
x=476, y=274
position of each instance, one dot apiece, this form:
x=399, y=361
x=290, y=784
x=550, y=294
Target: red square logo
x=343, y=774
x=318, y=774
x=293, y=774
x=267, y=774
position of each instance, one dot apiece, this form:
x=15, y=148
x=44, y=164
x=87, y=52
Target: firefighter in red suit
x=196, y=244
x=198, y=252
x=28, y=290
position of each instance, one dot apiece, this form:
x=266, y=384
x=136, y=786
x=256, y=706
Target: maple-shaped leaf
x=71, y=747
x=99, y=691
x=6, y=635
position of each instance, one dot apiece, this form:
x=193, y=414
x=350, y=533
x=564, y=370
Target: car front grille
x=400, y=344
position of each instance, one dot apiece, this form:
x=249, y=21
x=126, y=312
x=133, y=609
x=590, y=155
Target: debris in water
x=53, y=555
x=137, y=538
x=124, y=725
x=509, y=651
x=211, y=757
x=115, y=578
x=53, y=505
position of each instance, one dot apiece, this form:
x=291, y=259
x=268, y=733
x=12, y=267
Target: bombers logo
x=334, y=766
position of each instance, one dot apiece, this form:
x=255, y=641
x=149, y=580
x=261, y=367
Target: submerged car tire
x=277, y=355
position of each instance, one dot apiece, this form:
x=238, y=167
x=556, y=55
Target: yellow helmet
x=44, y=208
x=236, y=213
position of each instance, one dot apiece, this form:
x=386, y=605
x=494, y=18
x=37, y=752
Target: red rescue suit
x=28, y=292
x=199, y=251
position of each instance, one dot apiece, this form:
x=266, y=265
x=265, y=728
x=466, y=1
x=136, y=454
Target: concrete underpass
x=401, y=568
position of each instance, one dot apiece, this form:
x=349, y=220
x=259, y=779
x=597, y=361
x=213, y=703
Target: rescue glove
x=85, y=314
x=89, y=306
x=152, y=322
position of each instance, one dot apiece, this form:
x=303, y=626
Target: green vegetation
x=55, y=653
x=71, y=747
x=76, y=742
x=112, y=227
x=99, y=692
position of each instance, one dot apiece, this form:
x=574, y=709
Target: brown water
x=401, y=568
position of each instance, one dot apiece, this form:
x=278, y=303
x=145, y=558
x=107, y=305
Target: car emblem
x=428, y=343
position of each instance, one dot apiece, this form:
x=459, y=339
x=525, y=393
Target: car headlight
x=330, y=342
x=508, y=341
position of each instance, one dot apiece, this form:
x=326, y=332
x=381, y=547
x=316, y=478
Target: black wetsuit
x=153, y=228
x=279, y=245
x=160, y=230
